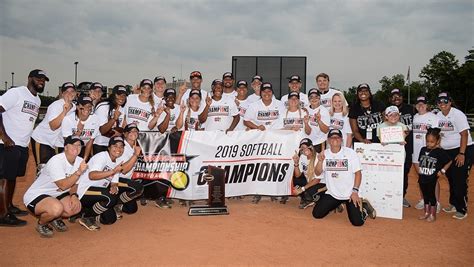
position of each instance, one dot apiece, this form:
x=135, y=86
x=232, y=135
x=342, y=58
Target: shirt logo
x=138, y=113
x=30, y=108
x=337, y=164
x=267, y=115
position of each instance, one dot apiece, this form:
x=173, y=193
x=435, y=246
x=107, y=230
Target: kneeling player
x=52, y=196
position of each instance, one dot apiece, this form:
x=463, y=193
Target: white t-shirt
x=243, y=106
x=126, y=156
x=43, y=133
x=303, y=166
x=421, y=123
x=451, y=125
x=193, y=120
x=304, y=101
x=57, y=168
x=317, y=136
x=231, y=95
x=253, y=98
x=221, y=114
x=90, y=130
x=99, y=162
x=294, y=119
x=270, y=116
x=102, y=114
x=138, y=112
x=339, y=171
x=326, y=98
x=185, y=97
x=158, y=100
x=340, y=122
x=174, y=114
x=21, y=110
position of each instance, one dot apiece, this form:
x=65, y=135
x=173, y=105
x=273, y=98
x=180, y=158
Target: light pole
x=75, y=72
x=13, y=79
x=6, y=85
x=174, y=83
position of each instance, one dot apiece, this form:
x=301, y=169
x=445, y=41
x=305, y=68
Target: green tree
x=350, y=95
x=466, y=80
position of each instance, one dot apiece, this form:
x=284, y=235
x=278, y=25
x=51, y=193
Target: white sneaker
x=420, y=205
x=438, y=207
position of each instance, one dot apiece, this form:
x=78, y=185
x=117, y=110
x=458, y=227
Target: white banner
x=382, y=177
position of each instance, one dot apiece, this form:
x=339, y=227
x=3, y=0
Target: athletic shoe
x=256, y=199
x=449, y=209
x=284, y=199
x=59, y=225
x=406, y=204
x=304, y=204
x=438, y=207
x=143, y=201
x=17, y=211
x=89, y=223
x=368, y=207
x=118, y=211
x=420, y=205
x=44, y=230
x=162, y=204
x=459, y=215
x=74, y=218
x=11, y=220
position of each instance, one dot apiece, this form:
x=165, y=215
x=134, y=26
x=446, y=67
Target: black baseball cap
x=146, y=82
x=119, y=90
x=195, y=74
x=96, y=85
x=169, y=91
x=421, y=99
x=216, y=81
x=443, y=95
x=362, y=86
x=130, y=127
x=257, y=77
x=84, y=100
x=66, y=86
x=266, y=86
x=295, y=78
x=306, y=141
x=294, y=94
x=242, y=83
x=195, y=92
x=314, y=91
x=227, y=75
x=395, y=91
x=70, y=140
x=159, y=78
x=115, y=140
x=334, y=132
x=38, y=74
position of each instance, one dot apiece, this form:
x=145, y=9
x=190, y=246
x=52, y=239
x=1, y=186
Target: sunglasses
x=443, y=101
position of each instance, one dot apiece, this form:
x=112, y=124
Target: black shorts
x=13, y=161
x=32, y=205
x=42, y=152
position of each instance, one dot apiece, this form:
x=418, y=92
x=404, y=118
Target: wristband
x=303, y=189
x=74, y=194
x=355, y=190
x=461, y=153
x=443, y=171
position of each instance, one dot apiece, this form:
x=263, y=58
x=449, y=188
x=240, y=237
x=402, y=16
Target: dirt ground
x=264, y=234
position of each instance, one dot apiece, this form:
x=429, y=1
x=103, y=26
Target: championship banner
x=256, y=162
x=382, y=177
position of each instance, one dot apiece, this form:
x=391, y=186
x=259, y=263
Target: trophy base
x=207, y=211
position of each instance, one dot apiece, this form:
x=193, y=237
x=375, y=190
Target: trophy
x=215, y=178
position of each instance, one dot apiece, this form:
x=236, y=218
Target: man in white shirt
x=220, y=113
x=295, y=84
x=228, y=82
x=196, y=80
x=341, y=168
x=19, y=109
x=52, y=195
x=322, y=81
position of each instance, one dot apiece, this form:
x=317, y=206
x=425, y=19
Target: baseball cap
x=362, y=86
x=116, y=140
x=216, y=81
x=146, y=82
x=72, y=139
x=306, y=141
x=314, y=91
x=334, y=132
x=242, y=83
x=195, y=74
x=257, y=77
x=266, y=86
x=227, y=75
x=294, y=94
x=195, y=92
x=443, y=95
x=130, y=127
x=119, y=90
x=169, y=91
x=295, y=78
x=421, y=99
x=67, y=85
x=84, y=100
x=96, y=85
x=38, y=74
x=159, y=78
x=395, y=91
x=391, y=109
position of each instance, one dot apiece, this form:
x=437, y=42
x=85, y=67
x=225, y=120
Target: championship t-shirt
x=43, y=133
x=138, y=112
x=221, y=114
x=326, y=98
x=242, y=107
x=103, y=115
x=368, y=119
x=317, y=136
x=174, y=114
x=231, y=95
x=421, y=123
x=430, y=163
x=99, y=162
x=126, y=156
x=294, y=119
x=185, y=97
x=21, y=110
x=303, y=166
x=341, y=122
x=191, y=119
x=270, y=116
x=304, y=102
x=89, y=131
x=339, y=171
x=57, y=168
x=451, y=125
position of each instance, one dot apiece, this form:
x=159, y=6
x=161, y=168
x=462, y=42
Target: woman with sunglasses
x=456, y=140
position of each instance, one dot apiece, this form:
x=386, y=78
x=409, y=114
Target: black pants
x=406, y=170
x=457, y=178
x=97, y=201
x=310, y=193
x=129, y=190
x=328, y=203
x=41, y=152
x=428, y=190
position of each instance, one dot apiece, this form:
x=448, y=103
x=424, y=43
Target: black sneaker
x=161, y=203
x=44, y=230
x=368, y=207
x=59, y=225
x=17, y=211
x=256, y=199
x=11, y=220
x=304, y=204
x=74, y=218
x=89, y=223
x=284, y=199
x=143, y=201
